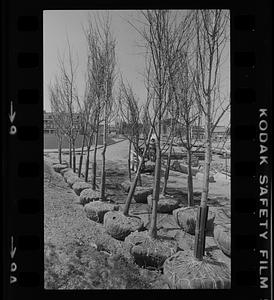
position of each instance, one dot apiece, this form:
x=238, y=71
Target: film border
x=23, y=144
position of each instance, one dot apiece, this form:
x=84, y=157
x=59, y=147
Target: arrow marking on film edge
x=12, y=113
x=12, y=250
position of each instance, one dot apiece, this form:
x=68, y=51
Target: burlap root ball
x=125, y=186
x=57, y=162
x=183, y=271
x=148, y=251
x=68, y=174
x=72, y=179
x=186, y=219
x=89, y=195
x=79, y=186
x=63, y=171
x=96, y=210
x=222, y=236
x=54, y=161
x=141, y=194
x=120, y=226
x=58, y=167
x=166, y=204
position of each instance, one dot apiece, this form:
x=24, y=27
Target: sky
x=60, y=25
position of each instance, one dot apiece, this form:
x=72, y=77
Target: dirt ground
x=66, y=225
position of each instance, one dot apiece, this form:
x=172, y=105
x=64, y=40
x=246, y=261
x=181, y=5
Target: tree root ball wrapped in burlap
x=120, y=226
x=186, y=219
x=125, y=186
x=68, y=174
x=222, y=236
x=79, y=186
x=63, y=171
x=54, y=161
x=149, y=252
x=166, y=204
x=72, y=179
x=183, y=271
x=141, y=194
x=89, y=195
x=58, y=167
x=96, y=210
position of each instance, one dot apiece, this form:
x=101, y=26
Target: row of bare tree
x=184, y=53
x=184, y=56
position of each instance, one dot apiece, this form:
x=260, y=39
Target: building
x=197, y=132
x=221, y=133
x=49, y=126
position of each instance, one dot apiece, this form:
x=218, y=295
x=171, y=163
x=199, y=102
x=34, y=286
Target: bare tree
x=172, y=122
x=87, y=125
x=164, y=38
x=188, y=112
x=97, y=36
x=211, y=37
x=130, y=112
x=102, y=58
x=145, y=122
x=57, y=114
x=135, y=180
x=147, y=128
x=69, y=96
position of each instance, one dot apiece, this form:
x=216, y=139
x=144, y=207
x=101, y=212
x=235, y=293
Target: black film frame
x=22, y=160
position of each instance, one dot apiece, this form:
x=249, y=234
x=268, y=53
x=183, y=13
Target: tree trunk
x=190, y=200
x=138, y=163
x=167, y=167
x=199, y=243
x=94, y=164
x=134, y=183
x=206, y=167
x=74, y=156
x=81, y=156
x=156, y=191
x=60, y=149
x=200, y=226
x=129, y=161
x=87, y=159
x=70, y=154
x=103, y=173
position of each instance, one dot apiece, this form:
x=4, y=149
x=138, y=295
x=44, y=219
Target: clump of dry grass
x=83, y=267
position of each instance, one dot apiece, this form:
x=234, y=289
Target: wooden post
x=199, y=245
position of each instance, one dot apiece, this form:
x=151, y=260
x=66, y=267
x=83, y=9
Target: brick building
x=49, y=126
x=220, y=133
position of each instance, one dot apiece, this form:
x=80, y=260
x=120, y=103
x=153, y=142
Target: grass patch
x=83, y=267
